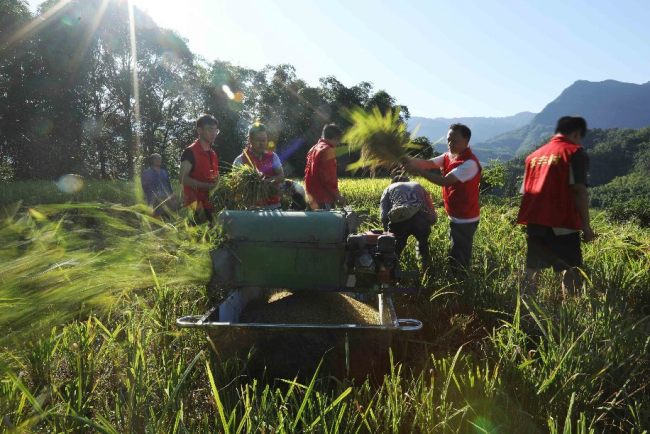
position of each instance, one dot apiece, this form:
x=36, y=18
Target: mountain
x=605, y=104
x=482, y=128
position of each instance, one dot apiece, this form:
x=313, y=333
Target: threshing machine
x=317, y=251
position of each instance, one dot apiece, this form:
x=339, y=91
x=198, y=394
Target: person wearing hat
x=406, y=209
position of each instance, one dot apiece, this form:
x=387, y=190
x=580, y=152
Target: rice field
x=90, y=287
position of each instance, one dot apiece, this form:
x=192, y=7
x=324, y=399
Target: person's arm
x=384, y=208
x=414, y=168
x=277, y=170
x=327, y=174
x=438, y=179
x=168, y=184
x=419, y=167
x=434, y=163
x=146, y=182
x=188, y=181
x=463, y=173
x=581, y=197
x=579, y=171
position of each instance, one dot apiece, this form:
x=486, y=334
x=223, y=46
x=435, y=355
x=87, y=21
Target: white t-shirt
x=463, y=173
x=466, y=171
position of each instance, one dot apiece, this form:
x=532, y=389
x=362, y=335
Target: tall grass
x=47, y=192
x=89, y=294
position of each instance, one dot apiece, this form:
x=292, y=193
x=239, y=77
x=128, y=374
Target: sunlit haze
x=440, y=58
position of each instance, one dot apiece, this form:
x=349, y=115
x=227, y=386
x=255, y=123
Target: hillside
x=482, y=128
x=619, y=166
x=605, y=104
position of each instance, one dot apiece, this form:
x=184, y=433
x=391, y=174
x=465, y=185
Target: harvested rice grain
x=311, y=308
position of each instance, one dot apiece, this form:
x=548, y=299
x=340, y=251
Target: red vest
x=264, y=165
x=461, y=198
x=321, y=181
x=548, y=199
x=206, y=169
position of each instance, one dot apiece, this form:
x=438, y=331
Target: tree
x=17, y=65
x=425, y=149
x=67, y=90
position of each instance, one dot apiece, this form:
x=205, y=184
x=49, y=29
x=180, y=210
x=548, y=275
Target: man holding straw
x=460, y=175
x=258, y=156
x=199, y=171
x=321, y=179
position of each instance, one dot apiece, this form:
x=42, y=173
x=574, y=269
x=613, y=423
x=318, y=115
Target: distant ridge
x=483, y=128
x=604, y=104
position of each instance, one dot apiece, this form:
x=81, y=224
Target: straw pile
x=310, y=308
x=242, y=188
x=382, y=139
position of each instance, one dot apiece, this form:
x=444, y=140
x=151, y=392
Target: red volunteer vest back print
x=548, y=199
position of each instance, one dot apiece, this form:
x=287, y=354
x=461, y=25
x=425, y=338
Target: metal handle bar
x=409, y=324
x=195, y=321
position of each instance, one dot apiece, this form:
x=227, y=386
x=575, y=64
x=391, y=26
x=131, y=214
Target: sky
x=441, y=58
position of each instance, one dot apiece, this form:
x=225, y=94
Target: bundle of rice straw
x=243, y=187
x=382, y=139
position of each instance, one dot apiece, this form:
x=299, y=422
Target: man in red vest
x=199, y=171
x=460, y=175
x=257, y=155
x=555, y=204
x=321, y=179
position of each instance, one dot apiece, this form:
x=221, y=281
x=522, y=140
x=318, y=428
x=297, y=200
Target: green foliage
x=89, y=125
x=46, y=192
x=634, y=210
x=90, y=294
x=59, y=261
x=617, y=152
x=626, y=198
x=493, y=176
x=424, y=148
x=619, y=163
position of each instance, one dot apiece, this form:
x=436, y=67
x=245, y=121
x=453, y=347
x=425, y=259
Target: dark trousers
x=420, y=227
x=462, y=240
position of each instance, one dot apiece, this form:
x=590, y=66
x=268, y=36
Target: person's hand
x=409, y=166
x=588, y=234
